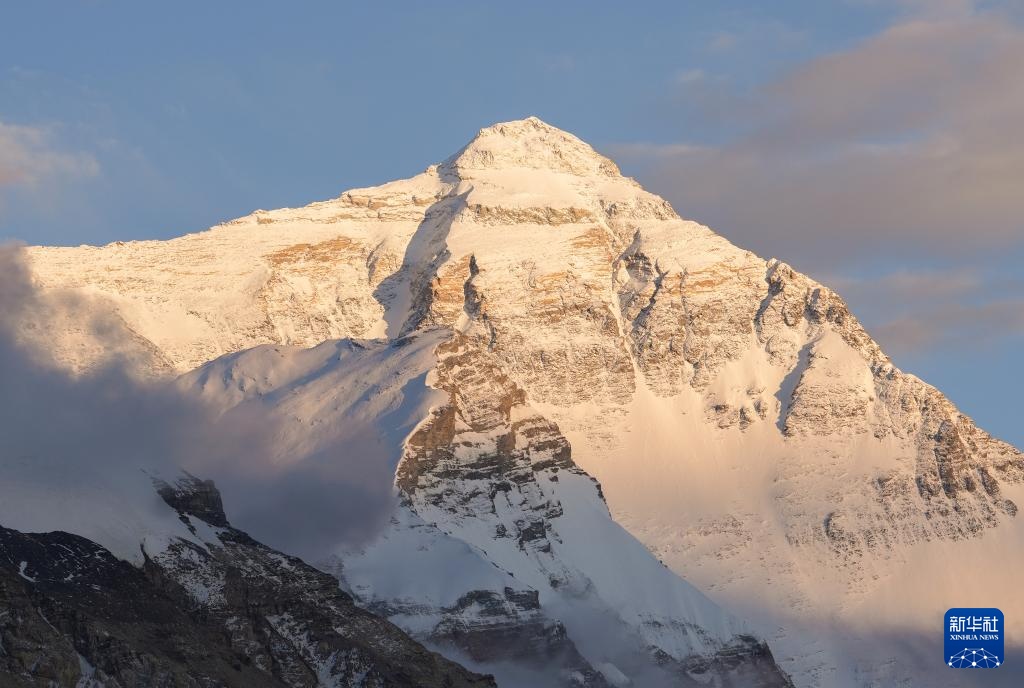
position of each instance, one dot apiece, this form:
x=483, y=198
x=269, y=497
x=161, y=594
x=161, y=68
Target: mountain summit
x=529, y=144
x=561, y=323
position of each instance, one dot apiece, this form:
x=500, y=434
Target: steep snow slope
x=501, y=548
x=743, y=424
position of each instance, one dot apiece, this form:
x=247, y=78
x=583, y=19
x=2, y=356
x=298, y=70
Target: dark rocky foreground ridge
x=235, y=613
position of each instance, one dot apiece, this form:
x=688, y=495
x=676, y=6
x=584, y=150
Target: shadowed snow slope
x=500, y=549
x=742, y=423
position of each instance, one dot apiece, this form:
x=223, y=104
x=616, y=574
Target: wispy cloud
x=929, y=8
x=907, y=286
x=60, y=431
x=901, y=140
x=723, y=41
x=653, y=150
x=927, y=310
x=956, y=327
x=688, y=77
x=897, y=150
x=30, y=156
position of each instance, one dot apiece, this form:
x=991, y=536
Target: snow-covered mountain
x=530, y=319
x=501, y=549
x=204, y=605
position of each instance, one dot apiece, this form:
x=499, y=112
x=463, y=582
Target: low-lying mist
x=63, y=434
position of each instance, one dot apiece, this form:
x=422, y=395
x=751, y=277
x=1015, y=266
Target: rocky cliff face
x=227, y=612
x=741, y=421
x=501, y=550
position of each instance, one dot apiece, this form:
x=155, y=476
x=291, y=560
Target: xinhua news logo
x=974, y=638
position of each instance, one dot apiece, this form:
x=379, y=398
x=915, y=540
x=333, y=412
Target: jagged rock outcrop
x=231, y=612
x=515, y=552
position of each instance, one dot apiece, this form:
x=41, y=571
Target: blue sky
x=871, y=143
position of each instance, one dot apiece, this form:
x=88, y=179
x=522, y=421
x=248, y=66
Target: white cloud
x=29, y=157
x=62, y=430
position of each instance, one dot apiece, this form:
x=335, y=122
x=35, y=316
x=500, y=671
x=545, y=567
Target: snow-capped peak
x=742, y=422
x=533, y=144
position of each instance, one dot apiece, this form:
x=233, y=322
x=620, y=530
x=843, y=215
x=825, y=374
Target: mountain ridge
x=721, y=400
x=225, y=612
